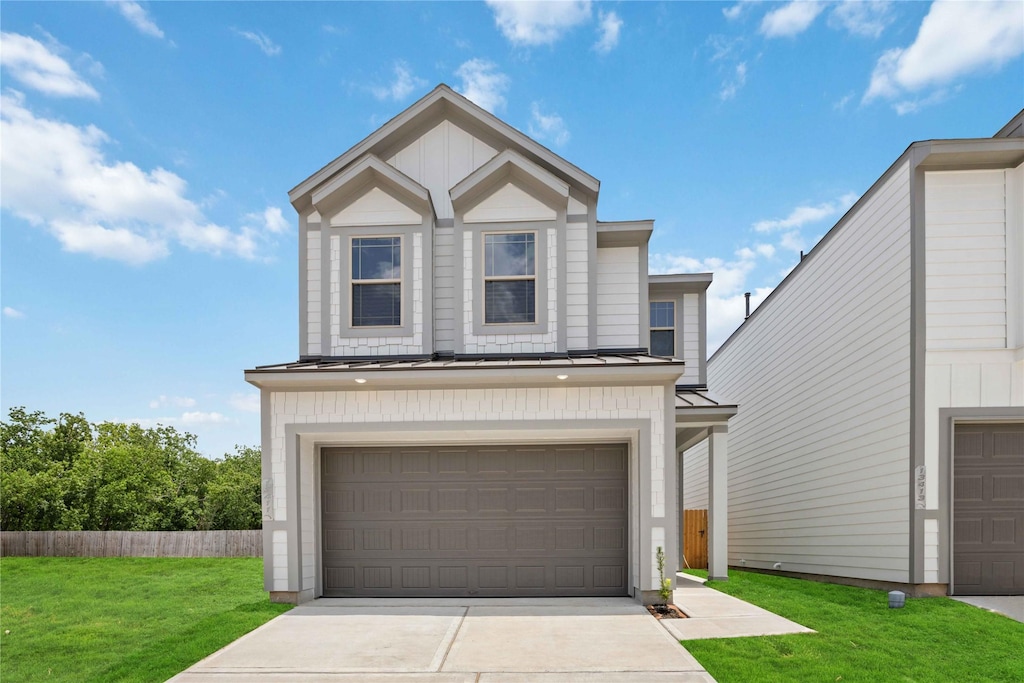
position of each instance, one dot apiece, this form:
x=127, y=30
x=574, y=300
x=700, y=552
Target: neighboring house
x=881, y=385
x=475, y=410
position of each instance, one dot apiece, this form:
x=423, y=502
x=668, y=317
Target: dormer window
x=510, y=278
x=376, y=281
x=663, y=328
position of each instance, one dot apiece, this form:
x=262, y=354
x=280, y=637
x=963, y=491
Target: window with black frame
x=376, y=281
x=510, y=278
x=663, y=328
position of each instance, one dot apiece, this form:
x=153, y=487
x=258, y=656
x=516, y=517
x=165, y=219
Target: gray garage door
x=988, y=510
x=475, y=521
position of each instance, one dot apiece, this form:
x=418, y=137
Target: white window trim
x=673, y=328
x=509, y=278
x=541, y=291
x=388, y=281
x=344, y=275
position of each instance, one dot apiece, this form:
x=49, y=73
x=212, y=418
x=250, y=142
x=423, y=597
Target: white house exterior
x=881, y=436
x=475, y=410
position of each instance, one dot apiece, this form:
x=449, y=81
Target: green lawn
x=860, y=639
x=123, y=619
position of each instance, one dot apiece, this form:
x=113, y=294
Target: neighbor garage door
x=988, y=510
x=475, y=521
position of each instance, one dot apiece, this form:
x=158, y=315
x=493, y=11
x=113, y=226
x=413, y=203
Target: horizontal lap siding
x=819, y=449
x=689, y=328
x=577, y=303
x=444, y=289
x=618, y=298
x=965, y=259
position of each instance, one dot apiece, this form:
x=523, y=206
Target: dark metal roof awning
x=470, y=363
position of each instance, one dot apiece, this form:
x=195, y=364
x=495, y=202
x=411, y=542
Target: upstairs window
x=376, y=281
x=510, y=278
x=663, y=328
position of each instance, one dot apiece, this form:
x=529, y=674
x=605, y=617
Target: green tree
x=66, y=473
x=233, y=496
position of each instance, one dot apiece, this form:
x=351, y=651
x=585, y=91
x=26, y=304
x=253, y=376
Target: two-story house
x=881, y=435
x=491, y=393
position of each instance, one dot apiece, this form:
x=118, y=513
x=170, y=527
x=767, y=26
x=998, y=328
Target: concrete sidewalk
x=598, y=640
x=716, y=615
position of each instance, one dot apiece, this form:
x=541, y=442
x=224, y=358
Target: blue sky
x=149, y=250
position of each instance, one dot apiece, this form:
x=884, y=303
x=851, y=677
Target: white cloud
x=733, y=12
x=163, y=401
x=534, y=22
x=188, y=418
x=904, y=107
x=861, y=17
x=405, y=84
x=35, y=66
x=791, y=19
x=199, y=417
x=247, y=403
x=108, y=209
x=955, y=39
x=547, y=127
x=262, y=41
x=793, y=241
x=765, y=250
x=483, y=84
x=272, y=220
x=609, y=25
x=138, y=17
x=12, y=312
x=805, y=214
x=840, y=104
x=732, y=86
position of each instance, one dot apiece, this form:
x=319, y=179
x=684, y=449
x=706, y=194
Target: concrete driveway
x=593, y=640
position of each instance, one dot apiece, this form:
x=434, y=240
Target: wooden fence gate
x=695, y=539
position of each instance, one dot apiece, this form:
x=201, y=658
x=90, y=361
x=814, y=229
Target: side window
x=663, y=328
x=510, y=278
x=376, y=281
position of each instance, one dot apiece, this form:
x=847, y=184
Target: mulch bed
x=665, y=612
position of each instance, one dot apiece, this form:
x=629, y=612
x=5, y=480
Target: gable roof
x=443, y=102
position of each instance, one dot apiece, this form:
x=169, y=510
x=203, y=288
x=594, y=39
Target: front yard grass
x=860, y=639
x=123, y=619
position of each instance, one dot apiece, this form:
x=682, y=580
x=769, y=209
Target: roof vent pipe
x=746, y=296
x=801, y=254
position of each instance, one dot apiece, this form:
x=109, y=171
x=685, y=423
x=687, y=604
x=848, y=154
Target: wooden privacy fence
x=132, y=543
x=695, y=538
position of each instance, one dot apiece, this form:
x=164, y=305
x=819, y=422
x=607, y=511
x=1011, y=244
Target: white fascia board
x=327, y=380
x=509, y=164
x=624, y=233
x=440, y=97
x=367, y=166
x=683, y=282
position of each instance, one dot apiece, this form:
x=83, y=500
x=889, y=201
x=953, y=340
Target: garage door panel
x=496, y=521
x=439, y=577
x=988, y=510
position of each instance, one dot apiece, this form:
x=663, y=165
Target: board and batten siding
x=618, y=298
x=965, y=256
x=974, y=261
x=439, y=159
x=818, y=453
